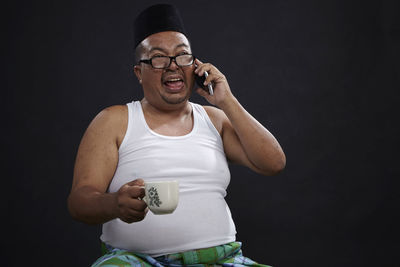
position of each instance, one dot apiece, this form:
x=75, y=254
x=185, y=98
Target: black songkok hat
x=157, y=18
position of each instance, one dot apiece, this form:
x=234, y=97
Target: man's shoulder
x=115, y=110
x=111, y=123
x=112, y=116
x=211, y=109
x=216, y=115
x=214, y=112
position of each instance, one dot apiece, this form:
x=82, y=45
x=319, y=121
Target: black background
x=322, y=76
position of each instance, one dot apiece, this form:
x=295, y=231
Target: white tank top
x=197, y=160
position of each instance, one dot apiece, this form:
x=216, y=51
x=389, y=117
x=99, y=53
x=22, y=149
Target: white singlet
x=197, y=160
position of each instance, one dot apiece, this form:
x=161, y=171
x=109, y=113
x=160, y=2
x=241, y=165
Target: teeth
x=174, y=80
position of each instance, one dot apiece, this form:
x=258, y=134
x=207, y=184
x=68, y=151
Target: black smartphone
x=200, y=80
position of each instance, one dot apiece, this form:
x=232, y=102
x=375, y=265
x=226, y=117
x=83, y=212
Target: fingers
x=134, y=189
x=138, y=182
x=214, y=75
x=209, y=79
x=125, y=201
x=202, y=67
x=130, y=207
x=130, y=216
x=136, y=204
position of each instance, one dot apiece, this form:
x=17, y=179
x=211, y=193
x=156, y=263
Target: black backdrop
x=322, y=76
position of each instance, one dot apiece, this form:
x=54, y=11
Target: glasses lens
x=184, y=60
x=160, y=62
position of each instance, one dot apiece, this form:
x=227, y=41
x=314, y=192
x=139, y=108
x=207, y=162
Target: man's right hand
x=130, y=206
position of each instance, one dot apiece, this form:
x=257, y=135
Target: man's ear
x=138, y=72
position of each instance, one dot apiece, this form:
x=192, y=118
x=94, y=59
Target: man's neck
x=170, y=122
x=168, y=110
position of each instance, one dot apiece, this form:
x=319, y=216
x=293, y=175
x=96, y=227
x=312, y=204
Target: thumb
x=138, y=182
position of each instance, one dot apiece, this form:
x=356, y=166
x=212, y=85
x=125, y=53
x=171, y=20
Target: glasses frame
x=150, y=61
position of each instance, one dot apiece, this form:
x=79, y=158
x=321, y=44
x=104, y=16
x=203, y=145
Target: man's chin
x=175, y=99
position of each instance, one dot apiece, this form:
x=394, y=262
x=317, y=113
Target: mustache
x=172, y=75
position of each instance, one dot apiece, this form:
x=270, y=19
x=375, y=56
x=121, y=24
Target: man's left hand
x=222, y=92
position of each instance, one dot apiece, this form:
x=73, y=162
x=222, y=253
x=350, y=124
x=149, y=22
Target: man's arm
x=96, y=161
x=246, y=141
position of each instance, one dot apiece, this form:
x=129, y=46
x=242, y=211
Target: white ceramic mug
x=162, y=196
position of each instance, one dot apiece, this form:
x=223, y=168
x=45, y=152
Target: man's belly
x=200, y=220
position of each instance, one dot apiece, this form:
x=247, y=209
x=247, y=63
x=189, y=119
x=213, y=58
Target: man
x=164, y=137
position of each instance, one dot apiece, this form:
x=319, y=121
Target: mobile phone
x=200, y=80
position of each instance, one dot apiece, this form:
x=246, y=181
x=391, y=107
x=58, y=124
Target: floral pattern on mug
x=154, y=198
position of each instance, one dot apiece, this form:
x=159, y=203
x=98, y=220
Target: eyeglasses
x=163, y=62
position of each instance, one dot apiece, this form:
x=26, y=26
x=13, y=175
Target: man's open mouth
x=174, y=83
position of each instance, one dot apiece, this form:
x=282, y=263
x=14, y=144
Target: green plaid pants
x=224, y=255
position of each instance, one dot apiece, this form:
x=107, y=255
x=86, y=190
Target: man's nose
x=173, y=65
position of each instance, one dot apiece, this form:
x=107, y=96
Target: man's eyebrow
x=163, y=50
